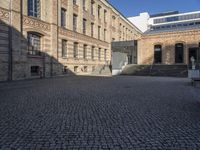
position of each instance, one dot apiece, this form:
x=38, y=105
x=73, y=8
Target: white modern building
x=166, y=21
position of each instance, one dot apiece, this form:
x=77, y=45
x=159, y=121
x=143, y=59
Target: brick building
x=40, y=38
x=49, y=38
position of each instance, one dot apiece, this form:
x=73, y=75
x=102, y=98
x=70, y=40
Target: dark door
x=157, y=54
x=179, y=53
x=193, y=52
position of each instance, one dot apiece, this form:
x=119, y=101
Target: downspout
x=21, y=17
x=10, y=66
x=57, y=27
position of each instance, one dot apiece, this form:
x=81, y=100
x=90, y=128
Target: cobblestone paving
x=89, y=113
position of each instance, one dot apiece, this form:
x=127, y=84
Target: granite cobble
x=83, y=113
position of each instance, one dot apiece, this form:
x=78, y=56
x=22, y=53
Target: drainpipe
x=10, y=66
x=57, y=27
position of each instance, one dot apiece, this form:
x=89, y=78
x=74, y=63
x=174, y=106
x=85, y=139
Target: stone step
x=156, y=70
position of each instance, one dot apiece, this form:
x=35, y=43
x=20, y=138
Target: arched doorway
x=158, y=54
x=179, y=53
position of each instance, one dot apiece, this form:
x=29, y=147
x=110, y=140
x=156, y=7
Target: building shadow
x=20, y=59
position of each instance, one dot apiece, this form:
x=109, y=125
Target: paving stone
x=100, y=113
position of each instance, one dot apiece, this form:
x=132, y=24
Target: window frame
x=75, y=50
x=34, y=10
x=75, y=17
x=64, y=48
x=63, y=17
x=34, y=42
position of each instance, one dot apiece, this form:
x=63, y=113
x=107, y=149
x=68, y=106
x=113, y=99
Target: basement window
x=35, y=70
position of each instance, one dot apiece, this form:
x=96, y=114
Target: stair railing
x=151, y=66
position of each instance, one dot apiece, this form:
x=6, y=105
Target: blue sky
x=134, y=7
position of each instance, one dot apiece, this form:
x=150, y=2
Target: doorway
x=194, y=52
x=158, y=54
x=179, y=53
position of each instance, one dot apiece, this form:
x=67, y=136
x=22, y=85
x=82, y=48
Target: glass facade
x=177, y=18
x=177, y=25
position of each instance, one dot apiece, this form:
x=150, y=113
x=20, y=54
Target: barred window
x=34, y=8
x=34, y=44
x=64, y=48
x=75, y=50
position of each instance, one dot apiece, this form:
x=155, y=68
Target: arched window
x=158, y=54
x=179, y=53
x=34, y=8
x=34, y=44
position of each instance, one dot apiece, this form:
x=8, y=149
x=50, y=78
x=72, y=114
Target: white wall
x=141, y=22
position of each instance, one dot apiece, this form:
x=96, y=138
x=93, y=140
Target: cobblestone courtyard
x=100, y=113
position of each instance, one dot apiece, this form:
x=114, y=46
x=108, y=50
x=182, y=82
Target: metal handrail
x=151, y=66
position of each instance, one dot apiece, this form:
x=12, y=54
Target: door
x=193, y=52
x=158, y=54
x=179, y=53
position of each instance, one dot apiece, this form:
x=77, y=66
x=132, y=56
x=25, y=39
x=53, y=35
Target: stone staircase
x=156, y=70
x=103, y=70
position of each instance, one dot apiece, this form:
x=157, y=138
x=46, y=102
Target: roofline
x=130, y=23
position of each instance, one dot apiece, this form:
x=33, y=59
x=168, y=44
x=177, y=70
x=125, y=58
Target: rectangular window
x=99, y=54
x=99, y=11
x=35, y=70
x=65, y=70
x=63, y=17
x=99, y=32
x=92, y=29
x=75, y=69
x=93, y=68
x=92, y=7
x=75, y=50
x=74, y=22
x=84, y=51
x=34, y=8
x=85, y=68
x=105, y=53
x=104, y=34
x=105, y=13
x=64, y=48
x=84, y=26
x=84, y=4
x=34, y=44
x=92, y=52
x=74, y=2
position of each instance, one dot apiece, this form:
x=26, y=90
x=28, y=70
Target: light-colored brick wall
x=48, y=26
x=189, y=38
